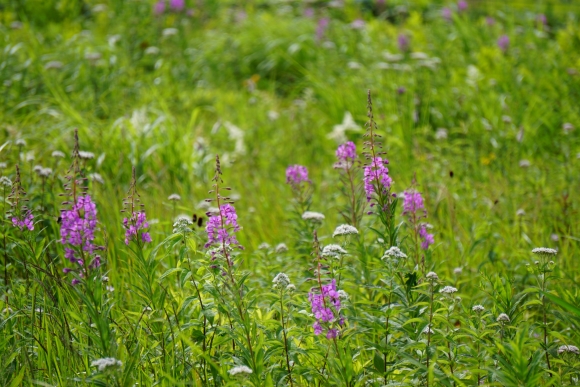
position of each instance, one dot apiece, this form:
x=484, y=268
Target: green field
x=475, y=104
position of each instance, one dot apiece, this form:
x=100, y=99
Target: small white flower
x=86, y=155
x=344, y=229
x=478, y=308
x=240, y=370
x=93, y=56
x=105, y=278
x=506, y=119
x=97, y=177
x=457, y=271
x=427, y=329
x=110, y=288
x=182, y=225
x=343, y=295
x=53, y=64
x=281, y=248
x=281, y=281
x=441, y=134
x=394, y=252
x=339, y=131
x=333, y=251
x=44, y=172
x=525, y=163
x=273, y=115
x=147, y=309
x=5, y=182
x=448, y=290
x=3, y=165
x=37, y=168
x=520, y=212
x=568, y=349
x=291, y=288
x=152, y=50
x=58, y=154
x=567, y=127
x=20, y=142
x=170, y=31
x=313, y=216
x=30, y=156
x=432, y=276
x=263, y=246
x=544, y=251
x=503, y=318
x=107, y=363
x=174, y=197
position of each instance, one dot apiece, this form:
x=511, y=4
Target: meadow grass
x=478, y=112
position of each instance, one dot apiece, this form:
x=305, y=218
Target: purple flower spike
x=503, y=43
x=177, y=5
x=27, y=221
x=447, y=14
x=221, y=228
x=377, y=174
x=296, y=174
x=427, y=239
x=159, y=7
x=346, y=152
x=326, y=309
x=321, y=28
x=489, y=21
x=403, y=41
x=135, y=224
x=461, y=5
x=413, y=202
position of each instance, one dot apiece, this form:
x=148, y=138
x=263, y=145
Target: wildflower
x=503, y=318
x=432, y=276
x=106, y=364
x=346, y=152
x=446, y=13
x=377, y=173
x=27, y=221
x=568, y=349
x=58, y=154
x=44, y=172
x=357, y=24
x=333, y=251
x=457, y=271
x=110, y=289
x=281, y=281
x=174, y=198
x=503, y=43
x=321, y=28
x=520, y=212
x=281, y=248
x=427, y=239
x=54, y=64
x=344, y=229
x=21, y=216
x=20, y=142
x=296, y=174
x=544, y=251
x=240, y=370
x=182, y=226
x=326, y=309
x=448, y=290
x=3, y=165
x=489, y=21
x=136, y=223
x=97, y=177
x=147, y=309
x=427, y=330
x=339, y=131
x=159, y=7
x=291, y=288
x=461, y=5
x=403, y=42
x=313, y=216
x=78, y=226
x=394, y=252
x=84, y=155
x=177, y=5
x=223, y=233
x=441, y=134
x=30, y=156
x=478, y=308
x=343, y=295
x=567, y=127
x=93, y=57
x=5, y=182
x=264, y=246
x=105, y=279
x=413, y=202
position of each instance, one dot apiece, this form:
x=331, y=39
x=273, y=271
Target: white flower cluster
x=106, y=363
x=5, y=182
x=281, y=281
x=503, y=318
x=568, y=349
x=448, y=290
x=281, y=248
x=333, y=251
x=313, y=216
x=432, y=276
x=344, y=229
x=240, y=370
x=394, y=252
x=478, y=308
x=263, y=246
x=544, y=251
x=86, y=155
x=57, y=154
x=174, y=197
x=42, y=172
x=182, y=225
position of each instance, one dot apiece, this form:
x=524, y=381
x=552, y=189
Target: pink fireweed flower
x=296, y=174
x=326, y=310
x=403, y=41
x=377, y=174
x=177, y=5
x=159, y=7
x=27, y=221
x=135, y=224
x=346, y=152
x=223, y=233
x=79, y=223
x=426, y=238
x=321, y=28
x=461, y=5
x=413, y=202
x=503, y=43
x=447, y=14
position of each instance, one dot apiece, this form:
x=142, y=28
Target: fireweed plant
x=181, y=303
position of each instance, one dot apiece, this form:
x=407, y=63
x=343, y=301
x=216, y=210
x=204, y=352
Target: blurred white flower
x=339, y=131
